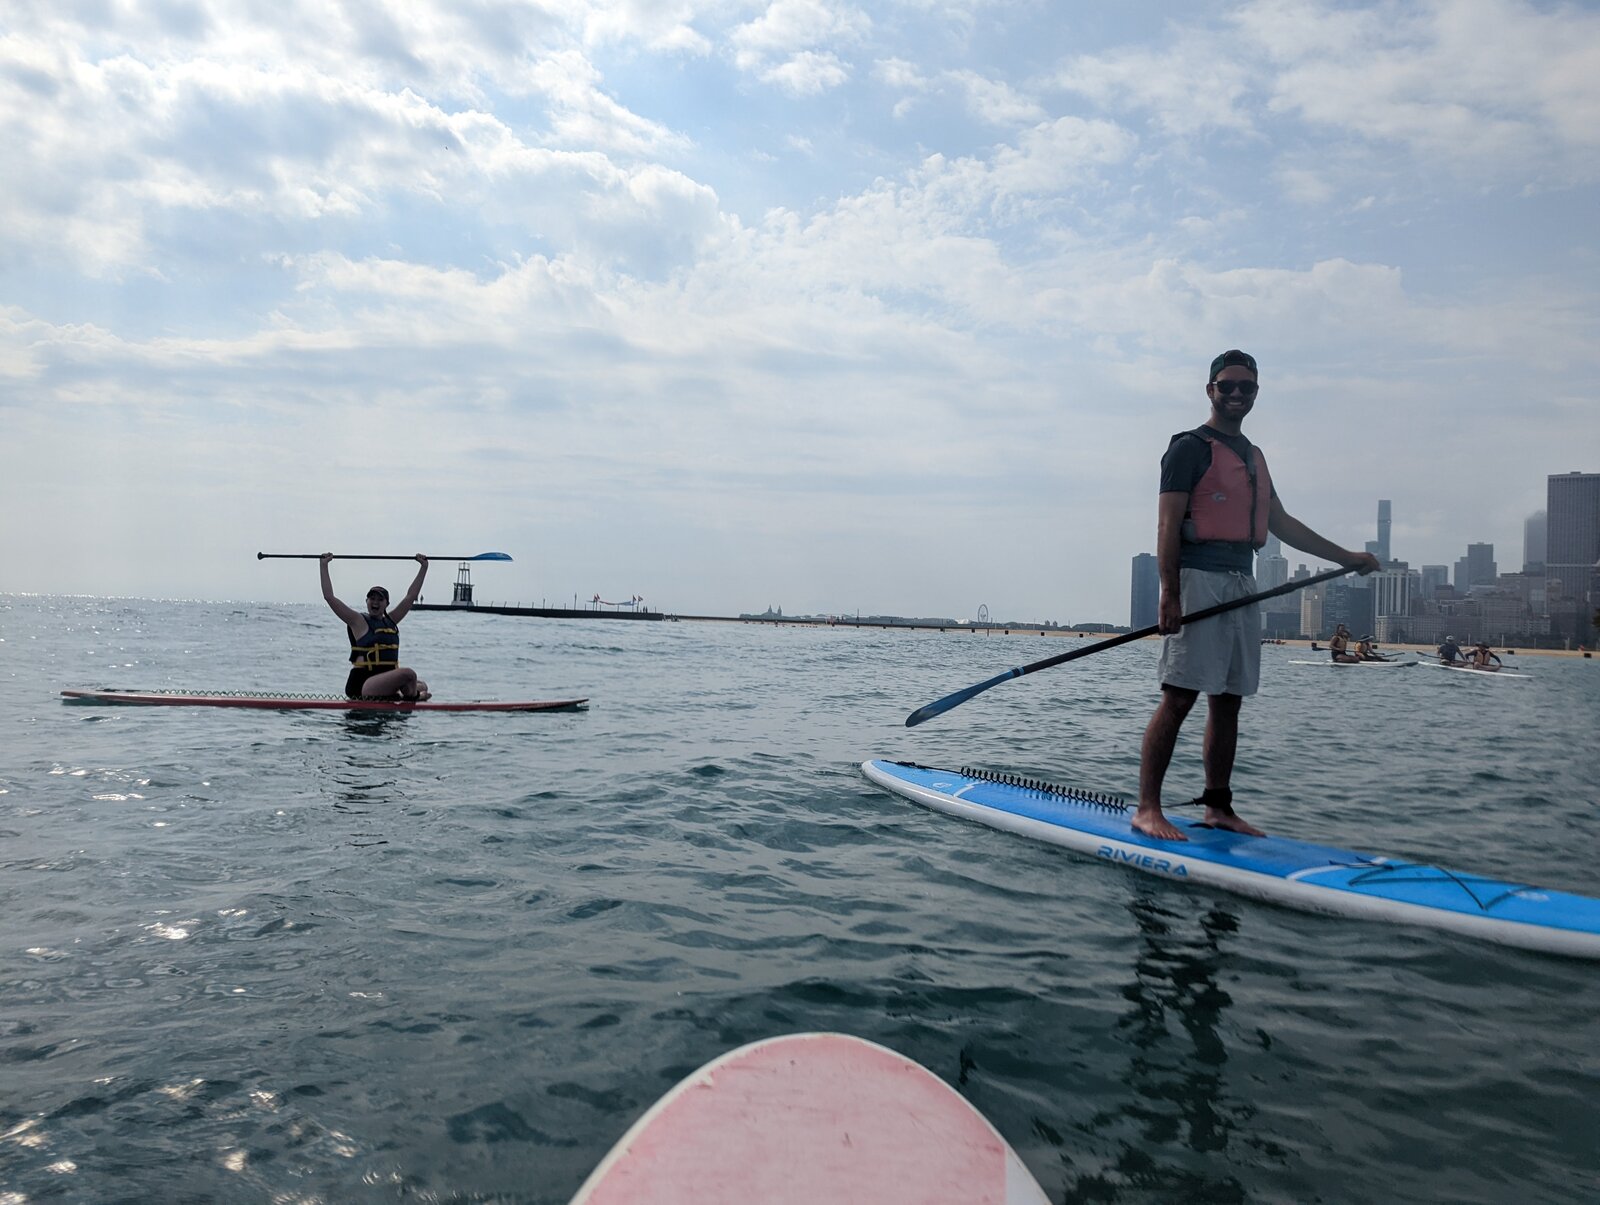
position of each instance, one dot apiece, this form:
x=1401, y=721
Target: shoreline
x=1429, y=650
x=1425, y=650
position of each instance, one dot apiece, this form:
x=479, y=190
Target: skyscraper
x=1383, y=531
x=1572, y=534
x=1393, y=589
x=1481, y=569
x=1271, y=571
x=1311, y=611
x=1343, y=602
x=1272, y=567
x=1146, y=601
x=1533, y=542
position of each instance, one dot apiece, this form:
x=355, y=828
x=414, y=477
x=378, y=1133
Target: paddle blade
x=940, y=706
x=485, y=556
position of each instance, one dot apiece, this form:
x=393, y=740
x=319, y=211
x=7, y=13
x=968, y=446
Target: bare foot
x=1148, y=819
x=1231, y=821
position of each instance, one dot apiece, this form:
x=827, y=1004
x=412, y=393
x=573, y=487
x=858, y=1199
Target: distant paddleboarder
x=1339, y=646
x=1217, y=506
x=375, y=669
x=1480, y=656
x=1367, y=651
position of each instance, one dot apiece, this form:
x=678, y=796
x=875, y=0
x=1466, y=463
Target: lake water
x=308, y=957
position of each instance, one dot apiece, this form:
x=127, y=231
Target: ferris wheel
x=983, y=612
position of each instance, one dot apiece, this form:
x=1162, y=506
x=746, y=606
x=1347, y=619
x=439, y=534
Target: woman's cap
x=378, y=590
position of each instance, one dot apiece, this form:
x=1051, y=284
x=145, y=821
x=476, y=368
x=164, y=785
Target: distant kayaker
x=1339, y=646
x=375, y=669
x=1217, y=506
x=1450, y=651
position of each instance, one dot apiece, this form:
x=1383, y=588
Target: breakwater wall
x=540, y=612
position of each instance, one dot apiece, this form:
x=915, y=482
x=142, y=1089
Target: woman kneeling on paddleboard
x=375, y=669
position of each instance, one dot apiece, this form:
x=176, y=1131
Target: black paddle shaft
x=940, y=706
x=341, y=556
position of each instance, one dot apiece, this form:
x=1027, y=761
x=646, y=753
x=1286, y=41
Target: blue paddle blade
x=487, y=556
x=940, y=706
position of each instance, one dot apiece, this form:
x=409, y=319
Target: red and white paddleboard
x=812, y=1118
x=286, y=702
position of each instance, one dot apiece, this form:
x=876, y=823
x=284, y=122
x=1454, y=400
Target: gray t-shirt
x=1187, y=458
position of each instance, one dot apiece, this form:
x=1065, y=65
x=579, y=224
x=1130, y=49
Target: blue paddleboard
x=1297, y=874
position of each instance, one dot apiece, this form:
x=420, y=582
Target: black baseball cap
x=378, y=590
x=1230, y=358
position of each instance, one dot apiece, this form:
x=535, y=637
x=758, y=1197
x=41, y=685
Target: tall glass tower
x=1146, y=596
x=1572, y=532
x=1533, y=542
x=1480, y=566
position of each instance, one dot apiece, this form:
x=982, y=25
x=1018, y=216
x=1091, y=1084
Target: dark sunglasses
x=1242, y=388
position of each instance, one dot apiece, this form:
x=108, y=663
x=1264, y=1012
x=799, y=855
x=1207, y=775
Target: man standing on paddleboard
x=375, y=669
x=1217, y=506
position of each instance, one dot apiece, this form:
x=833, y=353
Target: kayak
x=290, y=702
x=1354, y=664
x=1297, y=874
x=806, y=1119
x=1472, y=669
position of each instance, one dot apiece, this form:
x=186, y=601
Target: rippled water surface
x=253, y=956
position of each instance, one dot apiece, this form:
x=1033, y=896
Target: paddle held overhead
x=348, y=556
x=940, y=706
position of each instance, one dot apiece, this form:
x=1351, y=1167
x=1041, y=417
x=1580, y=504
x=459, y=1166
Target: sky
x=839, y=307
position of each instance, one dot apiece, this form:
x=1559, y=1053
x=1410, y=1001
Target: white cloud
x=1487, y=87
x=1199, y=84
x=995, y=101
x=1494, y=90
x=807, y=73
x=663, y=25
x=1305, y=185
x=898, y=73
x=584, y=116
x=125, y=146
x=796, y=31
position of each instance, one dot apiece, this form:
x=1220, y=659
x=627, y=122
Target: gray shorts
x=1220, y=655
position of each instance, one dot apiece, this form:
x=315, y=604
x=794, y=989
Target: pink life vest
x=1229, y=502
